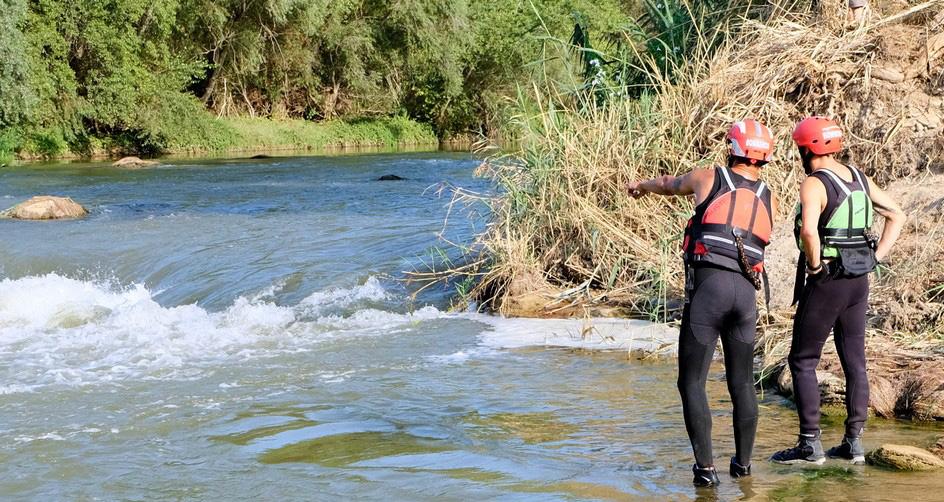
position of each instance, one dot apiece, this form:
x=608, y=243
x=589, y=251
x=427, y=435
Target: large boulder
x=904, y=458
x=46, y=207
x=134, y=163
x=832, y=388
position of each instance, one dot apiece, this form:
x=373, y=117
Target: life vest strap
x=842, y=233
x=848, y=244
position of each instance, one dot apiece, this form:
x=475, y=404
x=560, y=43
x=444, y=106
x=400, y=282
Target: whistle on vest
x=871, y=238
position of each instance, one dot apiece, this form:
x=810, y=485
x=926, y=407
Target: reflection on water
x=222, y=330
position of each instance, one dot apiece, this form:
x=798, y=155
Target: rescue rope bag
x=732, y=227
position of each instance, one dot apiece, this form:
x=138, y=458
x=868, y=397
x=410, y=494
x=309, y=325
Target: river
x=237, y=329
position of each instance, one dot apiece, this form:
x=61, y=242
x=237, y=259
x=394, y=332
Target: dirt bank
x=595, y=253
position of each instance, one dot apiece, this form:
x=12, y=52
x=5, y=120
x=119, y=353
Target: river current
x=238, y=329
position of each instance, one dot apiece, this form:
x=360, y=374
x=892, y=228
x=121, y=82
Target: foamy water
x=59, y=330
x=65, y=331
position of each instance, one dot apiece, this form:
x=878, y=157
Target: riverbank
x=566, y=240
x=233, y=136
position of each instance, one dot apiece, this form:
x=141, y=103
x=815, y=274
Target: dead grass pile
x=563, y=227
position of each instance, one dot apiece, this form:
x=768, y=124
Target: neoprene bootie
x=739, y=471
x=808, y=450
x=850, y=449
x=705, y=476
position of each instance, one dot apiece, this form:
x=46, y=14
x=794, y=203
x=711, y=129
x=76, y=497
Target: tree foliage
x=15, y=94
x=143, y=73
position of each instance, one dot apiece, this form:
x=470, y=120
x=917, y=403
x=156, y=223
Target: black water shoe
x=739, y=471
x=809, y=450
x=705, y=476
x=850, y=449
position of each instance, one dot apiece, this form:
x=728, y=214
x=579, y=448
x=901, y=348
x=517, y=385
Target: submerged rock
x=134, y=162
x=46, y=207
x=904, y=458
x=390, y=177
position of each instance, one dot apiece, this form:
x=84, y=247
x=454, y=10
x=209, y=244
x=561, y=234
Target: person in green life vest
x=837, y=252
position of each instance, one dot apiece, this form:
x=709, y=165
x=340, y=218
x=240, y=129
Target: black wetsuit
x=721, y=303
x=829, y=302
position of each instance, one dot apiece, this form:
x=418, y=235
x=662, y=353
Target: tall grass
x=563, y=222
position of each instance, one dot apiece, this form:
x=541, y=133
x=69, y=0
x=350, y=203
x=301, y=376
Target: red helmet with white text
x=821, y=135
x=751, y=140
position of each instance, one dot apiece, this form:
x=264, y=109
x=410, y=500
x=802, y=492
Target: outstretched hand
x=635, y=189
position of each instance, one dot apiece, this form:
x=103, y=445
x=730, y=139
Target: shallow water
x=235, y=330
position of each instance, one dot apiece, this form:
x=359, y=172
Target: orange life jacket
x=736, y=207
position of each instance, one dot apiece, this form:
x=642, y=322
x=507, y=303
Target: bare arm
x=687, y=184
x=894, y=219
x=812, y=199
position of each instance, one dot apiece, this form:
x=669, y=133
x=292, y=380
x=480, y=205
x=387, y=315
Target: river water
x=220, y=330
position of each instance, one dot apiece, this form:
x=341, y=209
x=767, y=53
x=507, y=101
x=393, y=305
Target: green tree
x=16, y=98
x=102, y=67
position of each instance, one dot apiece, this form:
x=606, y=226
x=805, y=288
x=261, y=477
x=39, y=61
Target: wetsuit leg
x=738, y=342
x=718, y=304
x=817, y=312
x=849, y=336
x=696, y=349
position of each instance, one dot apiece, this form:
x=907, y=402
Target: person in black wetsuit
x=724, y=258
x=837, y=254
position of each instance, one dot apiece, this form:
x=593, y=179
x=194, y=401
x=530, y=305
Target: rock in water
x=134, y=162
x=390, y=177
x=46, y=207
x=904, y=458
x=938, y=447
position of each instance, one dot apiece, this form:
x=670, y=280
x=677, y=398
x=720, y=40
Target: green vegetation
x=148, y=76
x=255, y=134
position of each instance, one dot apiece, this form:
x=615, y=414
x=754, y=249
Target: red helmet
x=821, y=135
x=752, y=140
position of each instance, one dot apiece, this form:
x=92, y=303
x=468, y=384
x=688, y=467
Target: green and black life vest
x=843, y=228
x=847, y=217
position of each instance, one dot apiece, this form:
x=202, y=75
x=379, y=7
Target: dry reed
x=563, y=221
